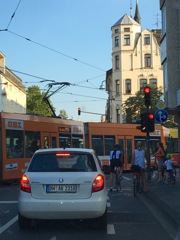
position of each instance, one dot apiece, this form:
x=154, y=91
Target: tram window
x=65, y=140
x=129, y=150
x=53, y=142
x=77, y=141
x=97, y=145
x=32, y=142
x=14, y=144
x=109, y=144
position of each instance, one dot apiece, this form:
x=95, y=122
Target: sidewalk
x=167, y=198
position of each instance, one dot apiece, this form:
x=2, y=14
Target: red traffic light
x=79, y=111
x=151, y=116
x=147, y=90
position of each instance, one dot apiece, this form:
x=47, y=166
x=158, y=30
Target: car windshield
x=62, y=162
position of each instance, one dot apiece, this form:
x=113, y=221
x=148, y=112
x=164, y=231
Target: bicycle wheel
x=118, y=181
x=164, y=177
x=139, y=183
x=135, y=186
x=174, y=176
x=154, y=174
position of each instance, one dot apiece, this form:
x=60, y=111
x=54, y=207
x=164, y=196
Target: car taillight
x=98, y=183
x=25, y=184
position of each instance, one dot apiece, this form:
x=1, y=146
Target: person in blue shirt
x=169, y=166
x=116, y=160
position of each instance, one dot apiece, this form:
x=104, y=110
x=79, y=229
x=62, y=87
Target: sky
x=67, y=41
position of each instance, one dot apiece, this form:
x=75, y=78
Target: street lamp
x=102, y=86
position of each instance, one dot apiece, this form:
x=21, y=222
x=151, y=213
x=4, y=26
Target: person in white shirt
x=138, y=159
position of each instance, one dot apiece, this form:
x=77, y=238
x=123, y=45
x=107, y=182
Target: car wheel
x=101, y=222
x=24, y=223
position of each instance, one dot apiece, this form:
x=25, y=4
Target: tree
x=35, y=103
x=63, y=114
x=134, y=106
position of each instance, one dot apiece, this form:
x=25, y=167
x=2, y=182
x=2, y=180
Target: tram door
x=49, y=140
x=126, y=145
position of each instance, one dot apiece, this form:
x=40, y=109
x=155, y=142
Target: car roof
x=85, y=150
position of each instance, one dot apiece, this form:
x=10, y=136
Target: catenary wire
x=53, y=50
x=13, y=14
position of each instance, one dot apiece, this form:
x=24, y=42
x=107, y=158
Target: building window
x=116, y=41
x=143, y=83
x=147, y=60
x=146, y=39
x=126, y=29
x=118, y=115
x=117, y=62
x=153, y=81
x=116, y=30
x=126, y=39
x=128, y=86
x=117, y=87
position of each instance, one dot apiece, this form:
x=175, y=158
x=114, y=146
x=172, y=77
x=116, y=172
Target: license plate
x=61, y=188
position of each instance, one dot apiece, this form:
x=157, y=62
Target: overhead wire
x=13, y=14
x=53, y=50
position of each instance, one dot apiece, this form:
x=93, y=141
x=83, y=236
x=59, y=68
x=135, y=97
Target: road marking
x=3, y=202
x=7, y=225
x=108, y=204
x=110, y=229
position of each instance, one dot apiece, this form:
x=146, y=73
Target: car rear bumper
x=92, y=207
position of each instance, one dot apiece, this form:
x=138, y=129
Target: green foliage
x=134, y=106
x=63, y=114
x=35, y=103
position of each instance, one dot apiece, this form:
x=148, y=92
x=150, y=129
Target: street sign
x=160, y=105
x=161, y=115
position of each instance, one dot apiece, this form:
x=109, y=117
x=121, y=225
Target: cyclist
x=138, y=159
x=115, y=161
x=169, y=166
x=160, y=159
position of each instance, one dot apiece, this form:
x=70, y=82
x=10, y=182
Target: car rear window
x=62, y=162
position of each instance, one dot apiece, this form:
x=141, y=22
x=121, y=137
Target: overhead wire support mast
x=46, y=96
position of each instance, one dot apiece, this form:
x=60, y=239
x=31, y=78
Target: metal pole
x=148, y=156
x=148, y=151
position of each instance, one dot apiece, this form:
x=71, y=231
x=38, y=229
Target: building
x=170, y=56
x=135, y=63
x=12, y=91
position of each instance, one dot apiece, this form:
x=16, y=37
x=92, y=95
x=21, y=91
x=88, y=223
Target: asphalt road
x=129, y=218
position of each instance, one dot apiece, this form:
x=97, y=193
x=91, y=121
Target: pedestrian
x=169, y=166
x=138, y=159
x=160, y=154
x=116, y=160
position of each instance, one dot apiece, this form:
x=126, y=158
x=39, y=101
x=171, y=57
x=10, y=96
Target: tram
x=22, y=134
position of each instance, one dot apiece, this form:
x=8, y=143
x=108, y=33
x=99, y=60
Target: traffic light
x=147, y=122
x=151, y=122
x=144, y=122
x=147, y=96
x=79, y=111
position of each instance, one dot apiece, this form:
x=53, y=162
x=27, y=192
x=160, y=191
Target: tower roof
x=126, y=20
x=137, y=16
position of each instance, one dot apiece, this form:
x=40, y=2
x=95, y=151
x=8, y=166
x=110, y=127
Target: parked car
x=63, y=184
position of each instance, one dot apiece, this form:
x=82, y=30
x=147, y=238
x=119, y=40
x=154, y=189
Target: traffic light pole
x=148, y=152
x=148, y=156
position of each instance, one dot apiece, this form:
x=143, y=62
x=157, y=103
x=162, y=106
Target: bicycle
x=166, y=177
x=137, y=179
x=118, y=178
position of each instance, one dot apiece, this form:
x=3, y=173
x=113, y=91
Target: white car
x=63, y=184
